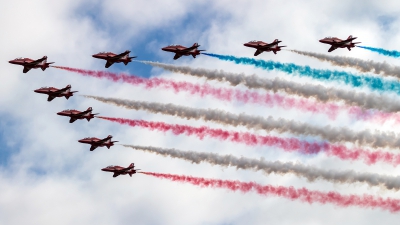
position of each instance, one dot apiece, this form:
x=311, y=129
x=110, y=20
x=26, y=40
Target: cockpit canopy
x=329, y=37
x=172, y=45
x=111, y=166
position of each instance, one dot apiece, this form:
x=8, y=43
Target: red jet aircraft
x=31, y=64
x=96, y=142
x=180, y=50
x=114, y=58
x=339, y=43
x=55, y=92
x=119, y=170
x=264, y=47
x=78, y=115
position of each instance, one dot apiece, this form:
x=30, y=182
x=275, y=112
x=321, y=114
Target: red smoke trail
x=228, y=94
x=287, y=144
x=302, y=194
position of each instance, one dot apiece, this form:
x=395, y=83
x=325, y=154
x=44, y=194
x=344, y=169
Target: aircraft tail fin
x=195, y=45
x=351, y=36
x=276, y=40
x=132, y=165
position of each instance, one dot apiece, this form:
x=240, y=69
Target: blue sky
x=44, y=170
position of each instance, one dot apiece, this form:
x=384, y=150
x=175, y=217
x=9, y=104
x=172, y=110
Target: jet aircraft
x=96, y=142
x=264, y=47
x=180, y=50
x=78, y=115
x=55, y=92
x=339, y=43
x=29, y=64
x=114, y=58
x=119, y=170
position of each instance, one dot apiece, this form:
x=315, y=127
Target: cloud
x=51, y=178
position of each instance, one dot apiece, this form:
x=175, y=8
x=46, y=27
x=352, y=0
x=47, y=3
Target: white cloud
x=51, y=178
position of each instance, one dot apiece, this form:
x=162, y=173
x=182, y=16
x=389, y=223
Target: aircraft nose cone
x=322, y=40
x=59, y=113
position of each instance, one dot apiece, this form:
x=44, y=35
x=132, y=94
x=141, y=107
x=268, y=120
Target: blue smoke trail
x=382, y=51
x=374, y=83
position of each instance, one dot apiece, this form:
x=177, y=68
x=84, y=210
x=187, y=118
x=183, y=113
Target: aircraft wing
x=268, y=45
x=36, y=62
x=50, y=98
x=120, y=55
x=116, y=174
x=103, y=140
x=93, y=147
x=258, y=52
x=189, y=49
x=26, y=69
x=72, y=120
x=61, y=90
x=344, y=42
x=83, y=113
x=332, y=48
x=177, y=56
x=109, y=63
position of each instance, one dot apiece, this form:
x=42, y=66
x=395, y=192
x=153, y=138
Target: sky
x=48, y=177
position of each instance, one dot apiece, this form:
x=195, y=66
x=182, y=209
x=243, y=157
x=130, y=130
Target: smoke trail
x=277, y=167
x=359, y=64
x=377, y=139
x=382, y=51
x=301, y=194
x=224, y=94
x=374, y=83
x=321, y=93
x=286, y=144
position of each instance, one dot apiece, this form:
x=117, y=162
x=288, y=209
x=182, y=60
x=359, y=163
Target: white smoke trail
x=321, y=93
x=375, y=139
x=382, y=68
x=300, y=170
